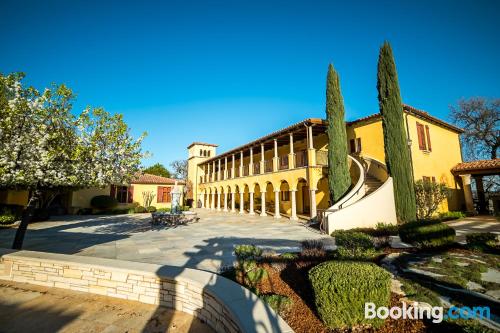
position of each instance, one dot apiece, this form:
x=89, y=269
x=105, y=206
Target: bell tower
x=198, y=152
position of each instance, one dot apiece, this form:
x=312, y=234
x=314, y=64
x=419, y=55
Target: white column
x=262, y=161
x=241, y=203
x=209, y=176
x=212, y=204
x=241, y=163
x=218, y=201
x=277, y=204
x=202, y=198
x=313, y=203
x=225, y=167
x=233, y=200
x=219, y=173
x=250, y=166
x=291, y=155
x=251, y=204
x=294, y=205
x=232, y=167
x=213, y=172
x=263, y=200
x=310, y=137
x=275, y=158
x=225, y=201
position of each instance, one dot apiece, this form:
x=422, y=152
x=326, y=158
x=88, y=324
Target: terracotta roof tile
x=480, y=165
x=147, y=178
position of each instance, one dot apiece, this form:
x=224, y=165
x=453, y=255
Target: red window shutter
x=421, y=136
x=352, y=143
x=130, y=194
x=428, y=138
x=159, y=194
x=358, y=142
x=112, y=191
x=168, y=196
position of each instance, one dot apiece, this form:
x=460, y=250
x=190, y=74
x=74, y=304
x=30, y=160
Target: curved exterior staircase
x=370, y=201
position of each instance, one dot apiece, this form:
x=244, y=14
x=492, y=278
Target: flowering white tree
x=45, y=147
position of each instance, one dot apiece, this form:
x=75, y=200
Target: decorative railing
x=256, y=168
x=301, y=159
x=321, y=157
x=268, y=166
x=283, y=162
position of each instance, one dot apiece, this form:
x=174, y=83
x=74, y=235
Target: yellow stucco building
x=285, y=173
x=129, y=195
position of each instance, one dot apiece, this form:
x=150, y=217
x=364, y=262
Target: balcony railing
x=268, y=166
x=321, y=157
x=236, y=172
x=246, y=170
x=283, y=162
x=256, y=168
x=301, y=159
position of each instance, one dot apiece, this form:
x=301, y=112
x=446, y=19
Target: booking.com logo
x=435, y=313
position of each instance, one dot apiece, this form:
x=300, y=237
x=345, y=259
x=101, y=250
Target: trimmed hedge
x=103, y=202
x=341, y=289
x=151, y=209
x=140, y=209
x=352, y=239
x=7, y=219
x=482, y=241
x=448, y=216
x=427, y=234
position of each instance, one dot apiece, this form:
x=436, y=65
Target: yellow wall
x=13, y=197
x=437, y=163
x=139, y=188
x=81, y=198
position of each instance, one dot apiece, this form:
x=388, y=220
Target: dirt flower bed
x=293, y=282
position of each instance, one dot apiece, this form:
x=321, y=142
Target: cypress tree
x=339, y=179
x=397, y=155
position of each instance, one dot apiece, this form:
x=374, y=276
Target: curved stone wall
x=222, y=304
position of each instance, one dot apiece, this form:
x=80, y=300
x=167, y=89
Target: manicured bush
x=356, y=254
x=448, y=216
x=341, y=289
x=353, y=239
x=385, y=229
x=151, y=209
x=140, y=209
x=16, y=210
x=7, y=219
x=247, y=252
x=278, y=303
x=289, y=256
x=103, y=202
x=482, y=241
x=163, y=210
x=427, y=234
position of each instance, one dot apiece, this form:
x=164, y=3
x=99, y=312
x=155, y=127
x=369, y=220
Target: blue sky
x=227, y=72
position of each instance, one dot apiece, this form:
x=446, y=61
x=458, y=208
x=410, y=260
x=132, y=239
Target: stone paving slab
x=206, y=245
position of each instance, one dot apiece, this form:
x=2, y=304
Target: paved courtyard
x=207, y=244
x=474, y=224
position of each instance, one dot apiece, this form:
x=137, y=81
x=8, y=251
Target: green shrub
x=357, y=253
x=341, y=289
x=140, y=209
x=7, y=219
x=448, y=216
x=427, y=234
x=16, y=210
x=247, y=252
x=385, y=229
x=103, y=202
x=163, y=210
x=482, y=240
x=120, y=211
x=278, y=303
x=312, y=248
x=352, y=239
x=289, y=256
x=151, y=209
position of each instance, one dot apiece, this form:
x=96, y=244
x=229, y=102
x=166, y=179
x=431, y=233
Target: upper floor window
x=355, y=145
x=208, y=153
x=424, y=137
x=201, y=152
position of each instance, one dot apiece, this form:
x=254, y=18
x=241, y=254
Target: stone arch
x=257, y=197
x=284, y=198
x=303, y=197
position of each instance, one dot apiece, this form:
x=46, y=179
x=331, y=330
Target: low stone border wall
x=221, y=303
